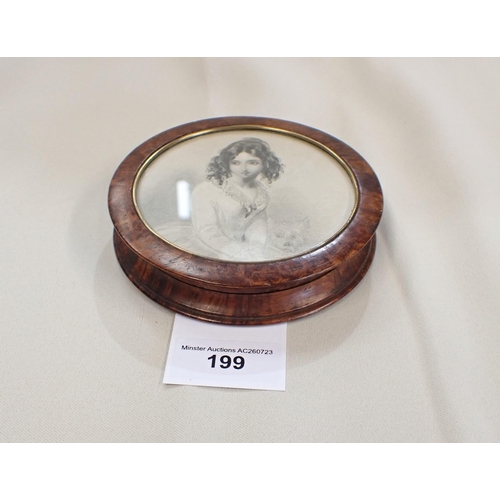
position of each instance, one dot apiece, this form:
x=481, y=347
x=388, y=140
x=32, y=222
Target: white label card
x=208, y=354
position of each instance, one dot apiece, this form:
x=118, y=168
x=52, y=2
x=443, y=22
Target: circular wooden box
x=325, y=196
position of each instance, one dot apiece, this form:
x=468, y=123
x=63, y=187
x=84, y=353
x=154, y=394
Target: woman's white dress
x=225, y=224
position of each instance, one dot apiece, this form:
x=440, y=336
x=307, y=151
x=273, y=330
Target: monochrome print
x=236, y=210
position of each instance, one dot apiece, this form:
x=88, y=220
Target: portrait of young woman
x=247, y=197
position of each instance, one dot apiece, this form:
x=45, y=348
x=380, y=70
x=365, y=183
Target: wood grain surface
x=244, y=308
x=250, y=292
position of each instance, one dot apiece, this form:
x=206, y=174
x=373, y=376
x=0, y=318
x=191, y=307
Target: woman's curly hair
x=218, y=169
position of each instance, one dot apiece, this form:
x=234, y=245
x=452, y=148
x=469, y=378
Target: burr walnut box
x=245, y=220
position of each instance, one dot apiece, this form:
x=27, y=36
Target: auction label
x=207, y=354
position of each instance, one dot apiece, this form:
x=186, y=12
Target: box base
x=244, y=308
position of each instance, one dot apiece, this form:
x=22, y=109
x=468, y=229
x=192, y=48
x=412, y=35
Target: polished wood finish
x=244, y=293
x=244, y=308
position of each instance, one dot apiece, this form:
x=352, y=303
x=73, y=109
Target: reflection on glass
x=183, y=200
x=247, y=203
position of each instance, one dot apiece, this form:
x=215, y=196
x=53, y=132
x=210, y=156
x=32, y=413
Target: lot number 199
x=225, y=362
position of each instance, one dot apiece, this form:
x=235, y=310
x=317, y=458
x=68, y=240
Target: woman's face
x=246, y=166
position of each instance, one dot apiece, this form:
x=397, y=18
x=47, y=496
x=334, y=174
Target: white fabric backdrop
x=410, y=355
